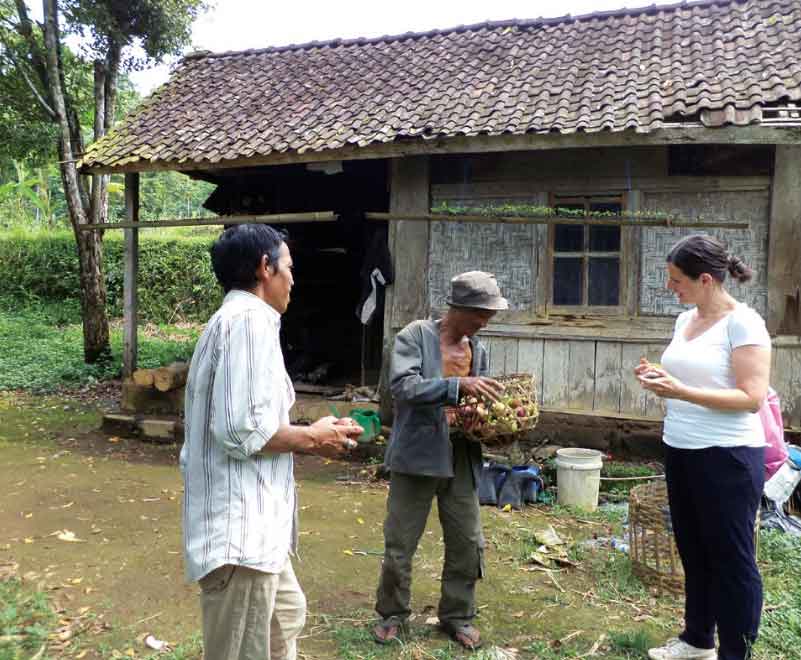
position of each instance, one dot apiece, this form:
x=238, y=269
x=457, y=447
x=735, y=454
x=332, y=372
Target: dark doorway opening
x=323, y=338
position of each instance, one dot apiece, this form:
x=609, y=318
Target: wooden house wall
x=590, y=369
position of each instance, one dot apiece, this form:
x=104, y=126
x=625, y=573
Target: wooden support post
x=631, y=249
x=409, y=194
x=130, y=298
x=406, y=299
x=784, y=250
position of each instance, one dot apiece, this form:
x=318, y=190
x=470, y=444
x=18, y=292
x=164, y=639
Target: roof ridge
x=473, y=27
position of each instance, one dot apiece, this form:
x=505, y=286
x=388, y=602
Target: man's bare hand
x=481, y=387
x=332, y=437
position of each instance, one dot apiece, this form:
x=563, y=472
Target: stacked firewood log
x=163, y=379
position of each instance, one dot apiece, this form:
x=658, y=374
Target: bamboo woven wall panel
x=751, y=246
x=503, y=249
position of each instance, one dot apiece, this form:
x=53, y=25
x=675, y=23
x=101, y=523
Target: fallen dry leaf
x=547, y=536
x=68, y=536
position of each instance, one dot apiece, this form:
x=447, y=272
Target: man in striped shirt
x=240, y=512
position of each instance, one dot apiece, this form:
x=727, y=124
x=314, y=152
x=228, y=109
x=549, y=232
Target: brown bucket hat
x=478, y=290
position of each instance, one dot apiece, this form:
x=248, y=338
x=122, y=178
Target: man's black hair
x=237, y=253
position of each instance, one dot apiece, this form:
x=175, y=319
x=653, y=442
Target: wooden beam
x=481, y=144
x=275, y=218
x=510, y=188
x=409, y=200
x=784, y=247
x=129, y=286
x=622, y=221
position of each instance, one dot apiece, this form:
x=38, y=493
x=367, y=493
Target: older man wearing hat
x=434, y=364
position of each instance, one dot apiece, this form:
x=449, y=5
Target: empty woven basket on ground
x=654, y=557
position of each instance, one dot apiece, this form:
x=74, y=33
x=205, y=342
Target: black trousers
x=714, y=496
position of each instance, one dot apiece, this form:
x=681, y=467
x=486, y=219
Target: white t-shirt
x=706, y=362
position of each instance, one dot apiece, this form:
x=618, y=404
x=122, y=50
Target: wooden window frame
x=604, y=310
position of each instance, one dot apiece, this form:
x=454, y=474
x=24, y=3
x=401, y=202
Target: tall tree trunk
x=90, y=255
x=99, y=204
x=106, y=72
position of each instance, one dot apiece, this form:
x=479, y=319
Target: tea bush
x=175, y=278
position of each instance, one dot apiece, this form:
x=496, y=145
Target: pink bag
x=770, y=414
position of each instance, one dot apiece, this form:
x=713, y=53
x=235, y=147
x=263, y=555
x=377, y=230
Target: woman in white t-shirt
x=714, y=376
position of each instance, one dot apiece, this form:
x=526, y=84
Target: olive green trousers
x=408, y=506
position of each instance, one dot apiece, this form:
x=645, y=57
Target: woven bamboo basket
x=520, y=388
x=654, y=557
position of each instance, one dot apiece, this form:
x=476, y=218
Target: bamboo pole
x=274, y=218
x=615, y=220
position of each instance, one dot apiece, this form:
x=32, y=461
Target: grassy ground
x=42, y=347
x=90, y=561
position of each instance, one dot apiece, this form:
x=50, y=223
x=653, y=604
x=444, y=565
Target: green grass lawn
x=41, y=347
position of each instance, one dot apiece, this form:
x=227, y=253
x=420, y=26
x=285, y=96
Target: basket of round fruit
x=500, y=422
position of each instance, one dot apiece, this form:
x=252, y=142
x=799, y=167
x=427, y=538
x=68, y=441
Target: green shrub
x=175, y=278
x=39, y=356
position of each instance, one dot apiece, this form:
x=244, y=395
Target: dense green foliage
x=31, y=197
x=175, y=278
x=42, y=348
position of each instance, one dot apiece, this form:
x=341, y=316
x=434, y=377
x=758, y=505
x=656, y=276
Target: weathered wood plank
x=510, y=348
x=530, y=361
x=539, y=262
x=631, y=239
x=581, y=375
x=556, y=360
x=130, y=299
x=786, y=380
x=632, y=396
x=654, y=405
x=565, y=165
x=409, y=195
x=784, y=251
x=502, y=355
x=608, y=375
x=521, y=189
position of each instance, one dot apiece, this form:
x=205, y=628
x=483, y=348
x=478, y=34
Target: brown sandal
x=386, y=632
x=465, y=634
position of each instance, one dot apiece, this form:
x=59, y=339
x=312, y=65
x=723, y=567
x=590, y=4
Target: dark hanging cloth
x=376, y=273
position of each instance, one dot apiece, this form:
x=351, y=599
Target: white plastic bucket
x=578, y=477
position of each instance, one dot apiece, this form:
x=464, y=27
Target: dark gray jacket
x=420, y=442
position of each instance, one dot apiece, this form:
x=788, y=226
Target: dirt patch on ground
x=94, y=521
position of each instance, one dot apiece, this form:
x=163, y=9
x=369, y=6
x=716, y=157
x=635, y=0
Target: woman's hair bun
x=738, y=270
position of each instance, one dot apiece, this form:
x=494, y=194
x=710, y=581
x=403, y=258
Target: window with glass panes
x=586, y=257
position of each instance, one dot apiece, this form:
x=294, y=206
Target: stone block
x=160, y=430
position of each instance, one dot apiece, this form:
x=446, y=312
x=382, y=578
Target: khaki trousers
x=250, y=615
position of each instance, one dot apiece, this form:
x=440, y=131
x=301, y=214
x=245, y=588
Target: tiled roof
x=715, y=62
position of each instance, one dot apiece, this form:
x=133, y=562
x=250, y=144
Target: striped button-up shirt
x=239, y=501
